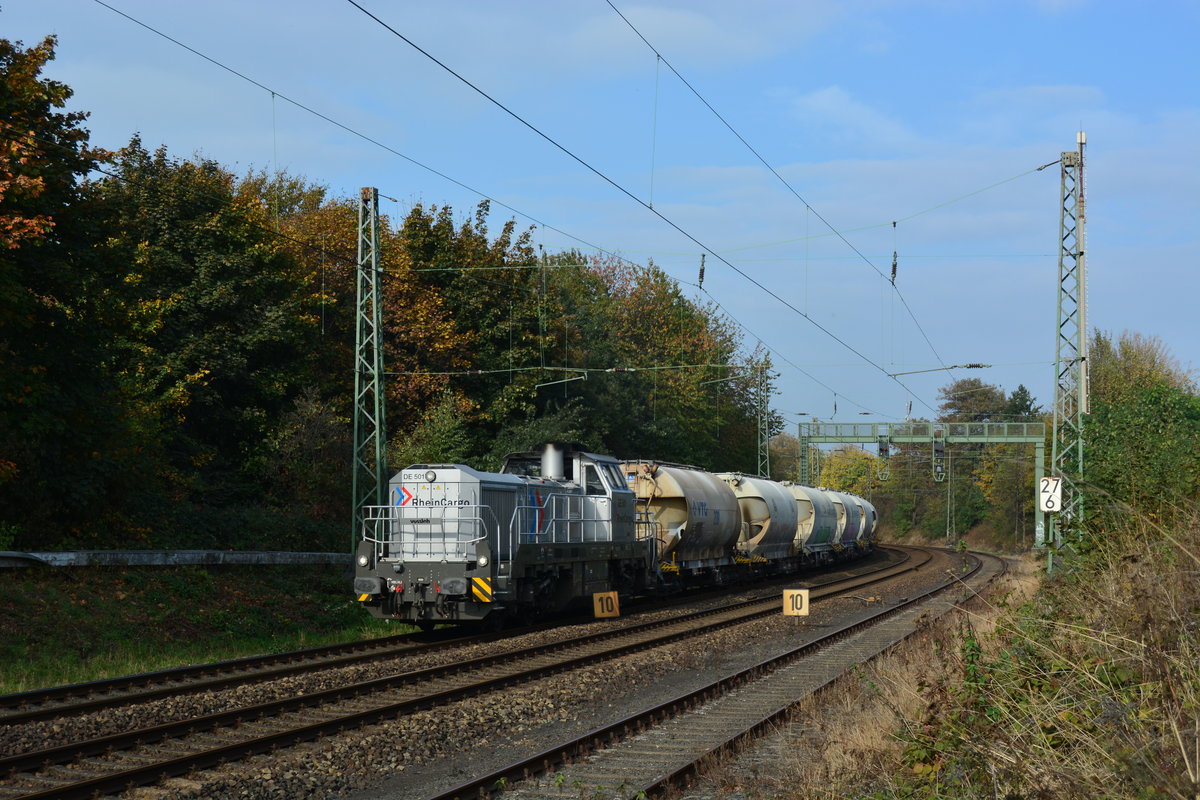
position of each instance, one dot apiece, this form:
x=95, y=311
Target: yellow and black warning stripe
x=481, y=588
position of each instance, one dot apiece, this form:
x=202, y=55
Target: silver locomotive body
x=458, y=545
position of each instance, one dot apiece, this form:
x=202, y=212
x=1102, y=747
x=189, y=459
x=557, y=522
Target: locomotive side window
x=530, y=467
x=592, y=483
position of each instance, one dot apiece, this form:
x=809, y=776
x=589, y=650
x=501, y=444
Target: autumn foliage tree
x=852, y=469
x=176, y=344
x=551, y=346
x=64, y=466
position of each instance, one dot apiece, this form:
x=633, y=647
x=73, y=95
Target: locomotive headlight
x=363, y=561
x=483, y=561
x=431, y=476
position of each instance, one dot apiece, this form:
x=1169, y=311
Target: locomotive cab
x=606, y=507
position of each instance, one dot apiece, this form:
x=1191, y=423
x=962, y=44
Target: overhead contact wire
x=775, y=172
x=352, y=263
x=782, y=357
x=367, y=138
x=611, y=182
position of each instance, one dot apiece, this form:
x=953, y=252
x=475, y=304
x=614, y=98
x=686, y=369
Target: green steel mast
x=1071, y=385
x=369, y=480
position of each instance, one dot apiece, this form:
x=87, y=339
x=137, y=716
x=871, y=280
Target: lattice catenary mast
x=1071, y=367
x=369, y=480
x=764, y=425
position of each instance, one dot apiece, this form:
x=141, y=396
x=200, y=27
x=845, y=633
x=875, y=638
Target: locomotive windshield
x=616, y=478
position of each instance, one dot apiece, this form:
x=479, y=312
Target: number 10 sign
x=795, y=602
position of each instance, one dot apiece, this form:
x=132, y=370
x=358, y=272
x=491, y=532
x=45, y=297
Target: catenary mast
x=1071, y=368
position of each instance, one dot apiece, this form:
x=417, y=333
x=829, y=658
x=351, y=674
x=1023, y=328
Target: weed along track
x=152, y=753
x=667, y=746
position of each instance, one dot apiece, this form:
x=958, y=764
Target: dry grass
x=1086, y=687
x=847, y=736
x=1094, y=689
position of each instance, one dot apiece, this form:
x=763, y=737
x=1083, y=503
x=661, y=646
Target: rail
x=581, y=747
x=489, y=672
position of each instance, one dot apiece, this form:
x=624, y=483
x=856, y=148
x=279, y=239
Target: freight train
x=558, y=524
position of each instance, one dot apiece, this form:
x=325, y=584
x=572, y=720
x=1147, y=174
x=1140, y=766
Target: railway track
x=82, y=698
x=665, y=747
x=149, y=755
x=102, y=695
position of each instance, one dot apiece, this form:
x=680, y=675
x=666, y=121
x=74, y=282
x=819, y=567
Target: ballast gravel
x=421, y=754
x=52, y=733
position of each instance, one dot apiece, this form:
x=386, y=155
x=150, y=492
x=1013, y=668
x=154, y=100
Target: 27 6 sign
x=1050, y=494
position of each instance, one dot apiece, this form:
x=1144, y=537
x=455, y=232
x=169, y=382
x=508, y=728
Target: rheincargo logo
x=409, y=500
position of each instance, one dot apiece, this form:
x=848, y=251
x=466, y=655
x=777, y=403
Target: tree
x=851, y=469
x=534, y=335
x=971, y=400
x=1117, y=369
x=785, y=457
x=67, y=460
x=206, y=317
x=1143, y=433
x=1005, y=476
x=1022, y=406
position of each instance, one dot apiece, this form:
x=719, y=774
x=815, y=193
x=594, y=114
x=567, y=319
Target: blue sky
x=872, y=112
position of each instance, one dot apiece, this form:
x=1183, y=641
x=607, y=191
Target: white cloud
x=835, y=113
